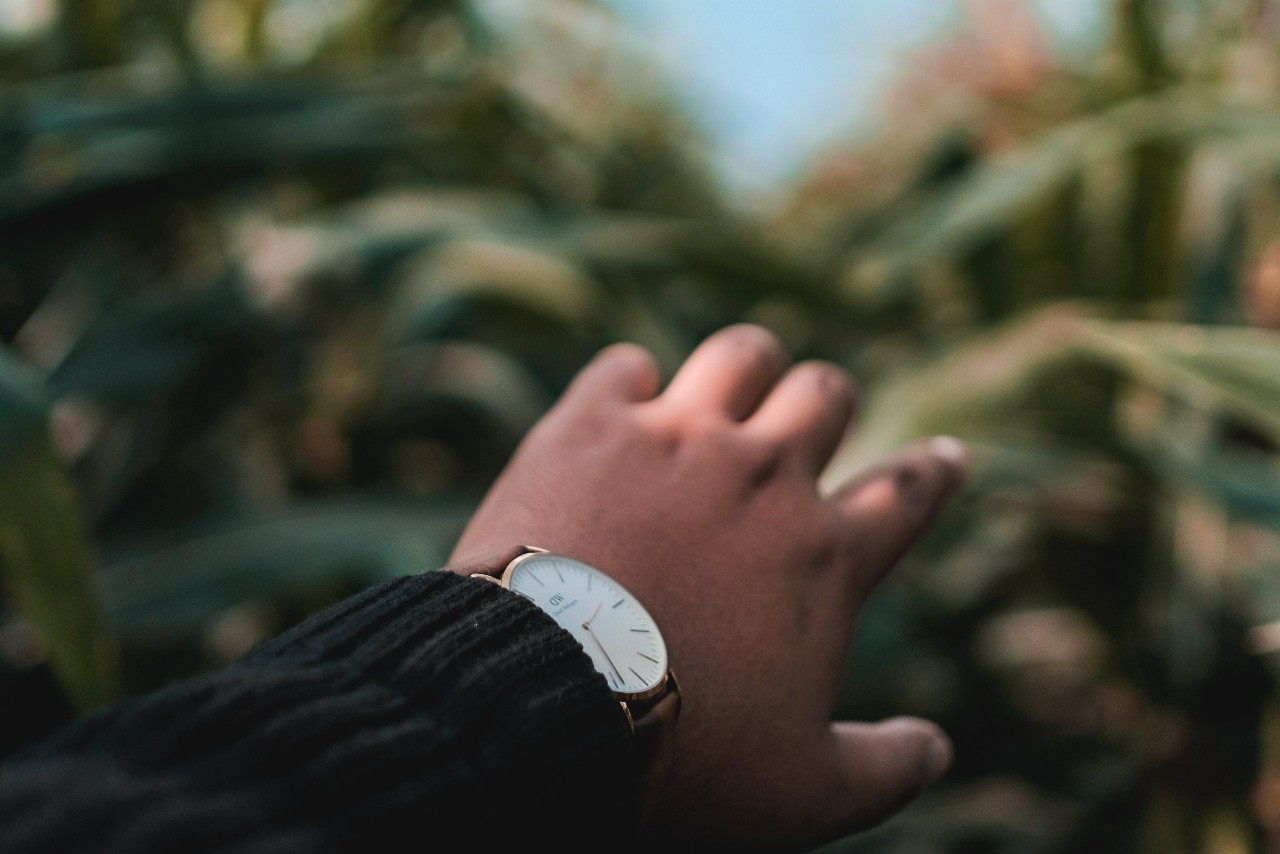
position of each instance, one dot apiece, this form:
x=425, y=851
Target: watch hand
x=586, y=624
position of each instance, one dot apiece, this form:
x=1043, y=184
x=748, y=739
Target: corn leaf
x=1221, y=372
x=47, y=562
x=992, y=197
x=182, y=583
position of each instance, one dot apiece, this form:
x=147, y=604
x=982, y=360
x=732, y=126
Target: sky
x=770, y=80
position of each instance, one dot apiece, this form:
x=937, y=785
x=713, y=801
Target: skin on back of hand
x=702, y=498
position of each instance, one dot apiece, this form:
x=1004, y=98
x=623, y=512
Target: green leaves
x=995, y=196
x=46, y=560
x=153, y=344
x=296, y=316
x=1219, y=373
x=179, y=584
x=1231, y=373
x=23, y=417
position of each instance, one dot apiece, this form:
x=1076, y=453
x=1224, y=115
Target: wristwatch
x=623, y=640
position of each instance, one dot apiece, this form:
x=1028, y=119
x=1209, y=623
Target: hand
x=586, y=624
x=703, y=499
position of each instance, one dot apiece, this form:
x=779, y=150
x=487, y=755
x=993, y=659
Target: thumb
x=887, y=764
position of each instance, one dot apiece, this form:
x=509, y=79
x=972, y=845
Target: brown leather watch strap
x=651, y=720
x=491, y=564
x=653, y=733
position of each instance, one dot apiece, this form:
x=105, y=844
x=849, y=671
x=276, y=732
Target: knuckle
x=831, y=382
x=761, y=463
x=754, y=345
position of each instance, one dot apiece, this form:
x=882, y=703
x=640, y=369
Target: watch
x=623, y=640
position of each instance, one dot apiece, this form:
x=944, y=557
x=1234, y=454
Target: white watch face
x=611, y=624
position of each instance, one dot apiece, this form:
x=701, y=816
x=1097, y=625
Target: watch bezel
x=664, y=684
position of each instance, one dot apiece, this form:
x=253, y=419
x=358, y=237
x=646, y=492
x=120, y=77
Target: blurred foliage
x=283, y=283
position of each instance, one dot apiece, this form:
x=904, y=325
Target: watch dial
x=611, y=624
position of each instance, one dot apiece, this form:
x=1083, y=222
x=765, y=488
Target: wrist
x=613, y=628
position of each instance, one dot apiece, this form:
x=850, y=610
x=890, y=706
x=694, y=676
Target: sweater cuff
x=433, y=700
x=440, y=636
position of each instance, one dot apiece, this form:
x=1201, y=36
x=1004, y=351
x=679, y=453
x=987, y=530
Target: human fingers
x=730, y=371
x=886, y=765
x=621, y=372
x=890, y=505
x=808, y=410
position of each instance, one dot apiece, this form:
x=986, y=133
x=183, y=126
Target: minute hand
x=586, y=624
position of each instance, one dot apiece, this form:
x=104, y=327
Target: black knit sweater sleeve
x=430, y=708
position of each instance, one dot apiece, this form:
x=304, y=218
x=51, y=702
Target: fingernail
x=954, y=453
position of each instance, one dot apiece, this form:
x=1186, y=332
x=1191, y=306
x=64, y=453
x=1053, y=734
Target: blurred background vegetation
x=283, y=283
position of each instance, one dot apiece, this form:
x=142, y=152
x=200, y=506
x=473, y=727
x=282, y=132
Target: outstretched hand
x=702, y=498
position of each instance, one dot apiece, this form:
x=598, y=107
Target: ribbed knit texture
x=427, y=709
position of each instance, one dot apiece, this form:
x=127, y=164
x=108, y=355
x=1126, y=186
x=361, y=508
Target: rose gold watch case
x=651, y=715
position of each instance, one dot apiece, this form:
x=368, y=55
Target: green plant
x=276, y=308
